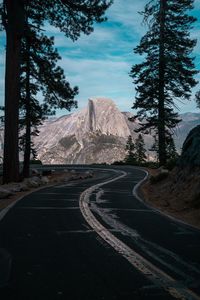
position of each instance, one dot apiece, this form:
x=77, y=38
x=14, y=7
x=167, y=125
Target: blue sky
x=99, y=64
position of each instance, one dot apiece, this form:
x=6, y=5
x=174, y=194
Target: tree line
x=136, y=153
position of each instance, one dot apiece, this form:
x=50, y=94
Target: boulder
x=15, y=188
x=35, y=172
x=24, y=186
x=190, y=156
x=44, y=180
x=33, y=181
x=89, y=174
x=5, y=193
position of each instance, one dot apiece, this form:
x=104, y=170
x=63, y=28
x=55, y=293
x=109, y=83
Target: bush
x=157, y=178
x=118, y=163
x=35, y=162
x=171, y=163
x=195, y=203
x=46, y=172
x=150, y=164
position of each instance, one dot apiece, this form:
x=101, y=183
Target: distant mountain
x=96, y=134
x=189, y=121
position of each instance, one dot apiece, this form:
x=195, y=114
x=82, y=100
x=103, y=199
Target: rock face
x=189, y=121
x=191, y=149
x=96, y=134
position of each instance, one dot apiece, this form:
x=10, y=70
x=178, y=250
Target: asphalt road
x=104, y=245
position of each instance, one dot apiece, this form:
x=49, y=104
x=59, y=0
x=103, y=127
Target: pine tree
x=171, y=150
x=140, y=151
x=167, y=72
x=72, y=18
x=130, y=148
x=40, y=73
x=12, y=13
x=197, y=98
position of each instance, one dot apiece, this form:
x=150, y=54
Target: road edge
x=6, y=209
x=140, y=198
x=153, y=273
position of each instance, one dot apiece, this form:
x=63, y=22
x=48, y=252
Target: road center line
x=153, y=273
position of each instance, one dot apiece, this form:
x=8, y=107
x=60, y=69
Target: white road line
x=153, y=273
x=127, y=209
x=135, y=194
x=109, y=218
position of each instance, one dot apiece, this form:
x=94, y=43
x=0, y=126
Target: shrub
x=118, y=163
x=35, y=162
x=157, y=178
x=171, y=163
x=195, y=203
x=150, y=164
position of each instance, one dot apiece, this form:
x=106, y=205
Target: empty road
x=92, y=240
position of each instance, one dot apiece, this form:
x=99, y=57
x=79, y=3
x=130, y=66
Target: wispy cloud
x=100, y=63
x=99, y=78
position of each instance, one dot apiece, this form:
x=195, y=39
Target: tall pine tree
x=72, y=18
x=140, y=151
x=130, y=148
x=197, y=98
x=13, y=20
x=171, y=150
x=40, y=73
x=167, y=73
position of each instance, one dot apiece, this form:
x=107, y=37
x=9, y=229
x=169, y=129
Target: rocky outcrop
x=96, y=134
x=190, y=156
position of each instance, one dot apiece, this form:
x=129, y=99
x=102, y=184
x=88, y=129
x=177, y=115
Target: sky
x=99, y=64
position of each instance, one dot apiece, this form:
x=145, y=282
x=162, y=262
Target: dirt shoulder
x=54, y=178
x=177, y=195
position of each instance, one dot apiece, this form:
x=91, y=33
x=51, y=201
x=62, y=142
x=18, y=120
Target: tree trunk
x=27, y=151
x=14, y=30
x=161, y=104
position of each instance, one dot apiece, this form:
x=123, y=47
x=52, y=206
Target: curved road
x=92, y=240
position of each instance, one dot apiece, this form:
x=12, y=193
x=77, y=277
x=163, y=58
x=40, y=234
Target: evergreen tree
x=140, y=151
x=130, y=148
x=171, y=150
x=40, y=73
x=167, y=72
x=12, y=13
x=72, y=18
x=197, y=98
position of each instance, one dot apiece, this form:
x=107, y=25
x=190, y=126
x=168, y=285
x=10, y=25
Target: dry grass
x=178, y=194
